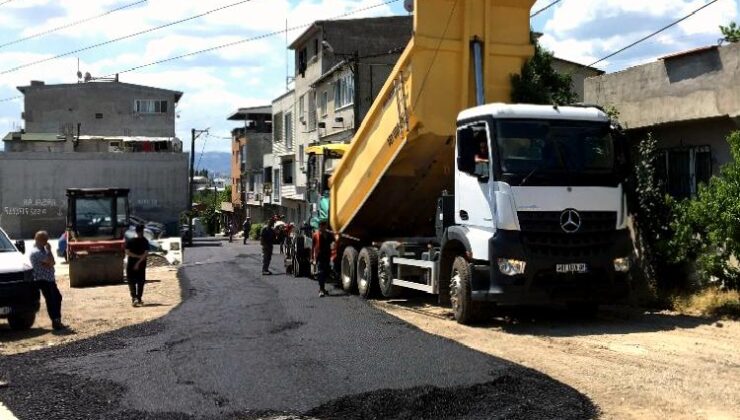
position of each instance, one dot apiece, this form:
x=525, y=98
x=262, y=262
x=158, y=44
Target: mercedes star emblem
x=570, y=221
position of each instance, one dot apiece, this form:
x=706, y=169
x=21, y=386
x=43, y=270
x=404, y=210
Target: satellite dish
x=88, y=76
x=409, y=5
x=79, y=75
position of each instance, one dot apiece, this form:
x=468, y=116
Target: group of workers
x=281, y=234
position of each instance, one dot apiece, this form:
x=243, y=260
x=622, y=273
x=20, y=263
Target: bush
x=254, y=232
x=653, y=212
x=707, y=228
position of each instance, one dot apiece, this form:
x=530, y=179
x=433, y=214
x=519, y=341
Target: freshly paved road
x=246, y=346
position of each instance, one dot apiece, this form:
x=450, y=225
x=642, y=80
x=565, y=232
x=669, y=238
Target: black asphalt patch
x=243, y=346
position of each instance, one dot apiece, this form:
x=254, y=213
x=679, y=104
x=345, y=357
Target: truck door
x=473, y=176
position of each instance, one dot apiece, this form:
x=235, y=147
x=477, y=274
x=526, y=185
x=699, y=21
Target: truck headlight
x=509, y=267
x=622, y=265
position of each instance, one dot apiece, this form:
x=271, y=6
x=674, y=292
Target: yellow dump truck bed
x=402, y=156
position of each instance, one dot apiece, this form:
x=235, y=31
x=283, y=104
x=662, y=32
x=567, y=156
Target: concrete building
x=92, y=135
x=284, y=181
x=249, y=145
x=321, y=107
x=689, y=101
x=100, y=109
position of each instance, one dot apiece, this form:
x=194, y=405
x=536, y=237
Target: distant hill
x=216, y=162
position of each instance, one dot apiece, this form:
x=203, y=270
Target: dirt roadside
x=95, y=310
x=632, y=365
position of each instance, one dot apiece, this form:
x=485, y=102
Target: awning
x=336, y=150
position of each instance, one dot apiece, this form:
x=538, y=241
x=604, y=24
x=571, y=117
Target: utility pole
x=194, y=134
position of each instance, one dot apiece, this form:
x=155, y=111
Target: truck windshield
x=5, y=244
x=94, y=217
x=578, y=152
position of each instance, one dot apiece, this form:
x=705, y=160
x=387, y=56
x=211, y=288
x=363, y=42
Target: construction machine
x=448, y=189
x=97, y=220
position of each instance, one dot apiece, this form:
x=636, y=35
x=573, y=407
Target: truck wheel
x=466, y=311
x=349, y=270
x=22, y=322
x=367, y=272
x=385, y=270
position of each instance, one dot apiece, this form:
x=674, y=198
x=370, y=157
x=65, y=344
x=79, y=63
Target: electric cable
x=545, y=8
x=122, y=38
x=71, y=24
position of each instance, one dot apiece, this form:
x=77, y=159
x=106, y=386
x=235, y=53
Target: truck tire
x=349, y=270
x=385, y=270
x=367, y=272
x=22, y=322
x=466, y=311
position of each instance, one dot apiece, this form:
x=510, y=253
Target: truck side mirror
x=21, y=246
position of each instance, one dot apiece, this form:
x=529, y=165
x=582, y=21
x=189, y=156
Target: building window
x=324, y=105
x=288, y=167
x=302, y=108
x=289, y=130
x=344, y=91
x=276, y=186
x=277, y=129
x=684, y=169
x=315, y=47
x=312, y=110
x=98, y=116
x=302, y=61
x=150, y=106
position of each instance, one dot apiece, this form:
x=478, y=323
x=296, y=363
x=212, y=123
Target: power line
x=545, y=8
x=135, y=34
x=246, y=40
x=59, y=28
x=5, y=2
x=674, y=23
x=208, y=135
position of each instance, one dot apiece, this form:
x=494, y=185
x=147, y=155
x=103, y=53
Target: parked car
x=19, y=297
x=156, y=228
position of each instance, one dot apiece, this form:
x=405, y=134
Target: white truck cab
x=539, y=204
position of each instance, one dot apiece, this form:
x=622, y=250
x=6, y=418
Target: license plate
x=571, y=268
x=4, y=310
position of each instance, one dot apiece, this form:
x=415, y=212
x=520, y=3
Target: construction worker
x=322, y=240
x=137, y=249
x=267, y=240
x=247, y=226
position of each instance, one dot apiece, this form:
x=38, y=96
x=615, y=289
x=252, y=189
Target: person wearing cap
x=137, y=249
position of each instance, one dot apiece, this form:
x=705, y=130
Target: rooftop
x=39, y=85
x=248, y=113
x=339, y=22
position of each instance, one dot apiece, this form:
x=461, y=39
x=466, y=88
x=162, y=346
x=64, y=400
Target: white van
x=19, y=297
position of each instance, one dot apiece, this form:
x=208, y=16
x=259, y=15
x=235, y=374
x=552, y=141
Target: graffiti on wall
x=35, y=207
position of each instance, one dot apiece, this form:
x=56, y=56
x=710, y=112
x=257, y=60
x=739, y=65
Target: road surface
x=245, y=346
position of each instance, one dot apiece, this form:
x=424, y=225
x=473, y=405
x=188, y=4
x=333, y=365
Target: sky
x=252, y=73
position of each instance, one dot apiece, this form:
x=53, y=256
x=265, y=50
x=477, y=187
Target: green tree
x=539, y=83
x=731, y=33
x=707, y=228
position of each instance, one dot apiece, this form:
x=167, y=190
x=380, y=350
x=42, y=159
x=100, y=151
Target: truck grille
x=11, y=277
x=542, y=234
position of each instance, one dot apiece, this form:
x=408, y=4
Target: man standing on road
x=322, y=255
x=247, y=226
x=137, y=249
x=42, y=260
x=267, y=240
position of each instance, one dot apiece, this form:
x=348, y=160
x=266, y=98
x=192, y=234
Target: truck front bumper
x=20, y=297
x=542, y=284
